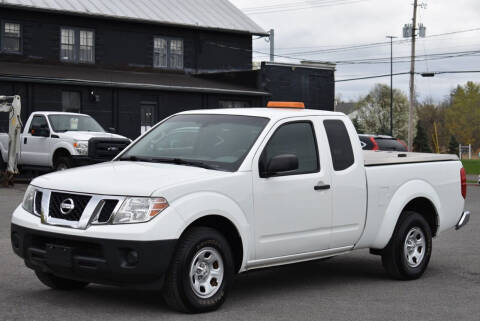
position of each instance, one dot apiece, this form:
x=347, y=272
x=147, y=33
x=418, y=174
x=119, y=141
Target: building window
x=86, y=46
x=167, y=53
x=71, y=101
x=11, y=37
x=77, y=46
x=233, y=104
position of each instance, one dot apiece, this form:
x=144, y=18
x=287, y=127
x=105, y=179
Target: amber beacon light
x=285, y=104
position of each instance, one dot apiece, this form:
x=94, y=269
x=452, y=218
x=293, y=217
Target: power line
x=436, y=56
x=407, y=72
x=295, y=6
x=372, y=44
x=372, y=77
x=402, y=59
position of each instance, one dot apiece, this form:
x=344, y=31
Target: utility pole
x=272, y=45
x=391, y=84
x=412, y=79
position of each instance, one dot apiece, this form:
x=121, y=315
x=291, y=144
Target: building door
x=147, y=116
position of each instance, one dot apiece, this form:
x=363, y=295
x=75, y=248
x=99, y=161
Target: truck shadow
x=248, y=287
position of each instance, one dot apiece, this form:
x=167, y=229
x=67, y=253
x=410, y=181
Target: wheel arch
x=60, y=152
x=228, y=229
x=418, y=196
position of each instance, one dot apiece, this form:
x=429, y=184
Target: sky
x=306, y=29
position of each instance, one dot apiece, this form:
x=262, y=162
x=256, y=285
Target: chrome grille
x=79, y=203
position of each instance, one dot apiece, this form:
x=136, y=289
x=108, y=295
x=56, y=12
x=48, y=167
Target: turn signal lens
x=158, y=205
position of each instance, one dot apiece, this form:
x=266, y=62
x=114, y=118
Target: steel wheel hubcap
x=414, y=247
x=206, y=272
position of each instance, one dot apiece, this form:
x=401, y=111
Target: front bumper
x=104, y=261
x=86, y=160
x=463, y=220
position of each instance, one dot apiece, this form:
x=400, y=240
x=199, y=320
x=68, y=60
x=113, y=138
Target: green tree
x=430, y=116
x=463, y=114
x=453, y=145
x=420, y=143
x=358, y=126
x=373, y=112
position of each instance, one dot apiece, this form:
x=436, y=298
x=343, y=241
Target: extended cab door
x=348, y=180
x=292, y=209
x=36, y=149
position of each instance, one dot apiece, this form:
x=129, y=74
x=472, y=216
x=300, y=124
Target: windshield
x=78, y=123
x=211, y=141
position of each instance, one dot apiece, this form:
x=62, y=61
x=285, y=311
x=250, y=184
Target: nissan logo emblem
x=67, y=206
x=112, y=149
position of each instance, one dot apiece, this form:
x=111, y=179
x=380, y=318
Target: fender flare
x=195, y=206
x=404, y=195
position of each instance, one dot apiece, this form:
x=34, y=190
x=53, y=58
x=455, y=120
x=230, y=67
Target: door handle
x=321, y=187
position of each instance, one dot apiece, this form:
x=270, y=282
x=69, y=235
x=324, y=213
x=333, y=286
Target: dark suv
x=382, y=142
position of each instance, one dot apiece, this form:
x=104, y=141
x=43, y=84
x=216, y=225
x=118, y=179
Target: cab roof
x=272, y=113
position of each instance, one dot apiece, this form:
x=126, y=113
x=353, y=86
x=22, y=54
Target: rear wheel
x=201, y=272
x=59, y=283
x=62, y=163
x=407, y=254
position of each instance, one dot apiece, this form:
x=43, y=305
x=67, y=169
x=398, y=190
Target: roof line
x=82, y=82
x=120, y=18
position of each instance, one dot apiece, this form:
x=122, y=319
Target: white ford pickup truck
x=59, y=140
x=207, y=194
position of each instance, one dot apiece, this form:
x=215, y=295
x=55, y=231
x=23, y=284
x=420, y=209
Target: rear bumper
x=463, y=220
x=95, y=260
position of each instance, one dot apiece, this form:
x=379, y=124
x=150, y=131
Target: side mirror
x=40, y=132
x=112, y=130
x=281, y=164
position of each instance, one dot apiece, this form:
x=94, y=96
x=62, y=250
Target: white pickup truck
x=59, y=140
x=207, y=194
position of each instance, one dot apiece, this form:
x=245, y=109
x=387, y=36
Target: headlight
x=29, y=199
x=139, y=210
x=81, y=147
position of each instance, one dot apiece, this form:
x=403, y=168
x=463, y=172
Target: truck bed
x=379, y=158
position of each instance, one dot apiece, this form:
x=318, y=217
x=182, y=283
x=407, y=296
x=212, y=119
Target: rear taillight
x=463, y=180
x=375, y=145
x=403, y=143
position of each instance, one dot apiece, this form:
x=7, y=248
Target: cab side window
x=340, y=144
x=296, y=138
x=38, y=122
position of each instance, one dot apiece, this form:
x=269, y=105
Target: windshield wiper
x=135, y=159
x=181, y=161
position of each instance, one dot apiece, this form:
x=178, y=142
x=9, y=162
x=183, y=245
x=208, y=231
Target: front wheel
x=63, y=163
x=407, y=254
x=200, y=273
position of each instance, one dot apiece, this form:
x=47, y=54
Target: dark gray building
x=129, y=64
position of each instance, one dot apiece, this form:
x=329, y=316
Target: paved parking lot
x=350, y=287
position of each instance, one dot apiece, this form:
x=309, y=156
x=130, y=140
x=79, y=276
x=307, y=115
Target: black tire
x=394, y=257
x=63, y=163
x=178, y=291
x=3, y=165
x=58, y=283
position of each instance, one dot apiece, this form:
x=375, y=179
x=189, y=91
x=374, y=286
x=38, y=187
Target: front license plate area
x=59, y=255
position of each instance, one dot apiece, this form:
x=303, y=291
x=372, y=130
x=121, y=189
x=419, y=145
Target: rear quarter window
x=340, y=144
